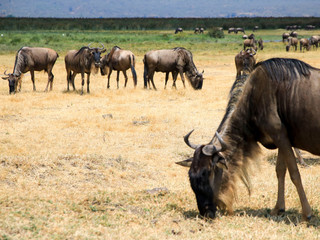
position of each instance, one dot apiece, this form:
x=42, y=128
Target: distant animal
x=30, y=59
x=249, y=43
x=201, y=30
x=239, y=30
x=251, y=36
x=260, y=44
x=245, y=61
x=120, y=60
x=304, y=44
x=310, y=27
x=178, y=30
x=292, y=42
x=314, y=41
x=294, y=34
x=285, y=37
x=244, y=36
x=176, y=60
x=230, y=30
x=86, y=60
x=255, y=28
x=269, y=112
x=196, y=30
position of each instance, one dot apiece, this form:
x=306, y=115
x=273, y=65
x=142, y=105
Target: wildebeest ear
x=208, y=149
x=222, y=163
x=185, y=163
x=103, y=50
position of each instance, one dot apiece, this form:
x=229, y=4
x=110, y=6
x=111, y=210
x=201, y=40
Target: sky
x=158, y=8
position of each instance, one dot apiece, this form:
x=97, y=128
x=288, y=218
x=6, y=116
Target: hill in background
x=155, y=8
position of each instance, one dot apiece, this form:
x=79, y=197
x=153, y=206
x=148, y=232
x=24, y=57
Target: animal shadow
x=289, y=217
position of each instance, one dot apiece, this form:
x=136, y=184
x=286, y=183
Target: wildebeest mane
x=20, y=61
x=81, y=50
x=285, y=69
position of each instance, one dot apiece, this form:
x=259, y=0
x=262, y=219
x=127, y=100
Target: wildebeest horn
x=222, y=143
x=185, y=163
x=5, y=72
x=102, y=46
x=253, y=52
x=89, y=45
x=186, y=140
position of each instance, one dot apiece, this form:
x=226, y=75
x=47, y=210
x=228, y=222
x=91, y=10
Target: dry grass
x=80, y=167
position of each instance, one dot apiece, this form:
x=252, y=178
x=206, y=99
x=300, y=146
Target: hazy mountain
x=158, y=8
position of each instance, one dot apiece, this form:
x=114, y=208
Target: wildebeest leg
x=88, y=82
x=286, y=154
x=68, y=79
x=73, y=76
x=50, y=80
x=150, y=77
x=125, y=78
x=166, y=80
x=299, y=157
x=182, y=77
x=32, y=79
x=82, y=82
x=174, y=77
x=109, y=74
x=281, y=170
x=118, y=73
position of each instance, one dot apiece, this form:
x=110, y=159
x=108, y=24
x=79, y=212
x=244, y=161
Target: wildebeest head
x=206, y=174
x=12, y=80
x=96, y=52
x=196, y=79
x=248, y=59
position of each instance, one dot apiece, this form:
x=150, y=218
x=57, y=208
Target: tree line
x=26, y=24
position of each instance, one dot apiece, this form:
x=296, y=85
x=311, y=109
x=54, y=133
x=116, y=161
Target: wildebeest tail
x=145, y=72
x=134, y=74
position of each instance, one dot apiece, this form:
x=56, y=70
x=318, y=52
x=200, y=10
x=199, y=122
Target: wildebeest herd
x=273, y=102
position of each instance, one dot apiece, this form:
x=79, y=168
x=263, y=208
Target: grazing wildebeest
x=85, y=60
x=230, y=30
x=178, y=30
x=239, y=30
x=196, y=30
x=250, y=43
x=119, y=60
x=31, y=59
x=255, y=28
x=176, y=60
x=245, y=61
x=304, y=44
x=314, y=41
x=285, y=37
x=201, y=30
x=292, y=42
x=279, y=95
x=260, y=44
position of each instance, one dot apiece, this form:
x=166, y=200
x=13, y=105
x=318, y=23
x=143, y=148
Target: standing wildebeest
x=292, y=42
x=31, y=59
x=196, y=30
x=85, y=60
x=176, y=60
x=285, y=37
x=119, y=60
x=278, y=97
x=201, y=30
x=304, y=44
x=294, y=34
x=260, y=44
x=251, y=43
x=178, y=30
x=314, y=41
x=245, y=61
x=255, y=28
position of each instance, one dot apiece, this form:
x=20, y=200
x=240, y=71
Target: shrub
x=216, y=33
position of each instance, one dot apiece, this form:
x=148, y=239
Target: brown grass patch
x=79, y=167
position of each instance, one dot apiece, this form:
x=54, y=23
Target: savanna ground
x=102, y=165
